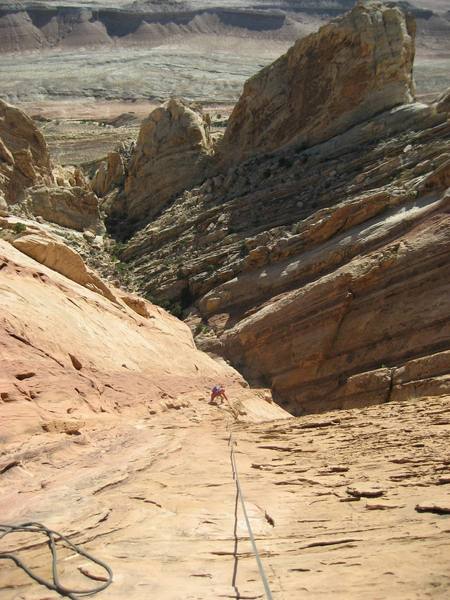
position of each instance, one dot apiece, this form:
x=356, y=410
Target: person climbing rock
x=217, y=392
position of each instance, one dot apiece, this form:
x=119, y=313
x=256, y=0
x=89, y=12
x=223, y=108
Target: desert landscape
x=224, y=299
x=81, y=63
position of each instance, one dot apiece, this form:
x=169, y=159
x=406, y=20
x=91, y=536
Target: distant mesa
x=33, y=25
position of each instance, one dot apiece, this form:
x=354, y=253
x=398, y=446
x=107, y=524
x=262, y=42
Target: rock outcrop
x=57, y=256
x=299, y=266
x=87, y=352
x=28, y=178
x=343, y=339
x=172, y=154
x=350, y=70
x=110, y=174
x=73, y=207
x=24, y=158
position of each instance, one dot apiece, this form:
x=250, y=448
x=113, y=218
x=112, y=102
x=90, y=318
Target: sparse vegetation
x=121, y=267
x=19, y=227
x=243, y=250
x=117, y=248
x=201, y=328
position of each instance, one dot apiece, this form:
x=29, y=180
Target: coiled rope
x=53, y=537
x=262, y=573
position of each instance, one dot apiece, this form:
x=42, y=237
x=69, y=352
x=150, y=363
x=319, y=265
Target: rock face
x=87, y=351
x=350, y=70
x=443, y=103
x=347, y=338
x=56, y=255
x=73, y=207
x=27, y=177
x=24, y=158
x=369, y=483
x=110, y=174
x=171, y=155
x=299, y=266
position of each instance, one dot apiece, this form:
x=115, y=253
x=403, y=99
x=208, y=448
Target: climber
x=218, y=391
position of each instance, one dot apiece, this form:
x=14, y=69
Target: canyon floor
x=351, y=503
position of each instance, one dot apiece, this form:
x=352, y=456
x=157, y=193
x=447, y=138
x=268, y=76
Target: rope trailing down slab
x=262, y=573
x=53, y=537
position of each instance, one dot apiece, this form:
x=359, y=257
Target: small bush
x=243, y=250
x=176, y=310
x=121, y=267
x=19, y=227
x=117, y=249
x=202, y=328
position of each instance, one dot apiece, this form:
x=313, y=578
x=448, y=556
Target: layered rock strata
x=345, y=229
x=350, y=70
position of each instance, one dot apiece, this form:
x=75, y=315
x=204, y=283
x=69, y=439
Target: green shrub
x=175, y=309
x=19, y=227
x=117, y=249
x=202, y=328
x=121, y=267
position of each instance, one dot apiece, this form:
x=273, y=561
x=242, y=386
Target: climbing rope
x=262, y=573
x=53, y=537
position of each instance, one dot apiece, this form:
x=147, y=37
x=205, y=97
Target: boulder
x=55, y=255
x=110, y=174
x=351, y=69
x=172, y=154
x=73, y=207
x=24, y=157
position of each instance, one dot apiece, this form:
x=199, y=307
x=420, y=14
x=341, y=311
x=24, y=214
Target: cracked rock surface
x=154, y=497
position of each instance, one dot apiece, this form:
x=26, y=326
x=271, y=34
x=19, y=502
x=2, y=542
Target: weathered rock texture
x=346, y=229
x=73, y=207
x=443, y=103
x=83, y=353
x=171, y=155
x=341, y=338
x=350, y=70
x=27, y=177
x=110, y=174
x=333, y=502
x=59, y=257
x=24, y=158
x=319, y=271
